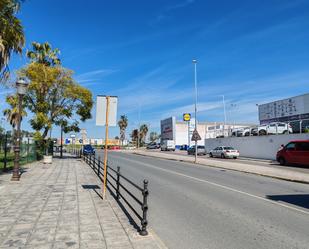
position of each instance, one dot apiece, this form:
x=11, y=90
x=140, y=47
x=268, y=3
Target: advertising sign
x=101, y=111
x=294, y=108
x=168, y=128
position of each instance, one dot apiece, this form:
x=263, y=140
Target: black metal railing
x=116, y=183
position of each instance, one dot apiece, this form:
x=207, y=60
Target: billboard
x=101, y=110
x=295, y=108
x=168, y=128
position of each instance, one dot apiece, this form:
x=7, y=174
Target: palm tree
x=12, y=38
x=43, y=53
x=123, y=124
x=153, y=136
x=143, y=132
x=12, y=113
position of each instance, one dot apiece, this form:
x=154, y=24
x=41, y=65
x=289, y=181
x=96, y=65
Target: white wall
x=263, y=147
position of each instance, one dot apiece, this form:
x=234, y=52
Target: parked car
x=295, y=152
x=153, y=146
x=224, y=152
x=274, y=128
x=200, y=150
x=168, y=145
x=244, y=131
x=88, y=150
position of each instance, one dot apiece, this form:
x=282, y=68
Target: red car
x=295, y=152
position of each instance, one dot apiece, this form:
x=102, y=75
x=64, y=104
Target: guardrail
x=115, y=181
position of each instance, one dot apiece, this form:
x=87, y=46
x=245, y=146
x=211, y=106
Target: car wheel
x=262, y=132
x=210, y=154
x=285, y=132
x=235, y=157
x=222, y=156
x=282, y=161
x=247, y=134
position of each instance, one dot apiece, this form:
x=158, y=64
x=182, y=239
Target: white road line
x=219, y=185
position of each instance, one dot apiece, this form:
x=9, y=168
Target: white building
x=181, y=131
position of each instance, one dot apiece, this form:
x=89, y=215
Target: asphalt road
x=198, y=207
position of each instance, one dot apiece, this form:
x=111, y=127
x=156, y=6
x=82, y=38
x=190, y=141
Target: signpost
x=187, y=118
x=106, y=115
x=195, y=137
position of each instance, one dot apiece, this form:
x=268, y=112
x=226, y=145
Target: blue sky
x=250, y=51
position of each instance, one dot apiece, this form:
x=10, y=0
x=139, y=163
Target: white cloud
x=92, y=77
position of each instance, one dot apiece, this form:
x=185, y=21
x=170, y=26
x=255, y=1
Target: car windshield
x=228, y=148
x=88, y=147
x=200, y=147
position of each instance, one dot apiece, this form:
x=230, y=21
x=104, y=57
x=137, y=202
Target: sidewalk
x=275, y=172
x=58, y=206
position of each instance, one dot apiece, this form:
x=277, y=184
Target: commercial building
x=181, y=131
x=294, y=110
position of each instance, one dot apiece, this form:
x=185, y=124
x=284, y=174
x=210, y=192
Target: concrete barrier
x=262, y=147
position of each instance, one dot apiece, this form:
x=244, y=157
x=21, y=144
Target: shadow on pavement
x=94, y=188
x=125, y=210
x=301, y=200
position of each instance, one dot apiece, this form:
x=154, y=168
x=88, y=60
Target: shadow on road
x=298, y=200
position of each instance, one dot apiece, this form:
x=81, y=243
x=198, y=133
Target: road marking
x=219, y=185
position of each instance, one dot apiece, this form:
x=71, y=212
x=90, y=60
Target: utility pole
x=139, y=124
x=224, y=125
x=195, y=105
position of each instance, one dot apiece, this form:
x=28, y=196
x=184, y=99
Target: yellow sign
x=186, y=117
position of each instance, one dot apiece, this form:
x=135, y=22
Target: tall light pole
x=223, y=100
x=232, y=107
x=195, y=105
x=139, y=124
x=21, y=87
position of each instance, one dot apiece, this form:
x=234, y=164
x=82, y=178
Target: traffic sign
x=186, y=116
x=195, y=136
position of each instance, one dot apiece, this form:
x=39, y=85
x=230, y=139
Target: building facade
x=181, y=132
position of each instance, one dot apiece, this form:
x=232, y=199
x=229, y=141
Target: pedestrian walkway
x=59, y=206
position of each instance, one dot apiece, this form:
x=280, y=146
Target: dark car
x=153, y=146
x=295, y=152
x=88, y=150
x=200, y=150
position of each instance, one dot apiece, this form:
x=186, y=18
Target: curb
x=238, y=170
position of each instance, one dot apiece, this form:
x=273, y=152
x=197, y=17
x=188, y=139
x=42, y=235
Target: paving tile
x=49, y=208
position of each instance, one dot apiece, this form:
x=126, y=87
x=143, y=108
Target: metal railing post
x=117, y=183
x=99, y=166
x=90, y=160
x=93, y=163
x=144, y=221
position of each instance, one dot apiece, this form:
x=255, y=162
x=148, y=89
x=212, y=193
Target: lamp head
x=21, y=86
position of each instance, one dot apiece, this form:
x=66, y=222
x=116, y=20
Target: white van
x=168, y=145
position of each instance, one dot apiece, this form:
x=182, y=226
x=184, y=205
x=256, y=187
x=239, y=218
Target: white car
x=274, y=128
x=224, y=152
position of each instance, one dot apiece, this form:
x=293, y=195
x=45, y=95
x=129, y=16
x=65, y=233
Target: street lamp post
x=21, y=86
x=224, y=125
x=61, y=142
x=195, y=106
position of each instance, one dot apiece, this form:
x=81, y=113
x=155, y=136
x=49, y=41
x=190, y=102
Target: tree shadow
x=301, y=200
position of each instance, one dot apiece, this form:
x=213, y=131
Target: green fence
x=28, y=154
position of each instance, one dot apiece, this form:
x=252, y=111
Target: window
x=290, y=146
x=228, y=148
x=303, y=146
x=272, y=125
x=281, y=125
